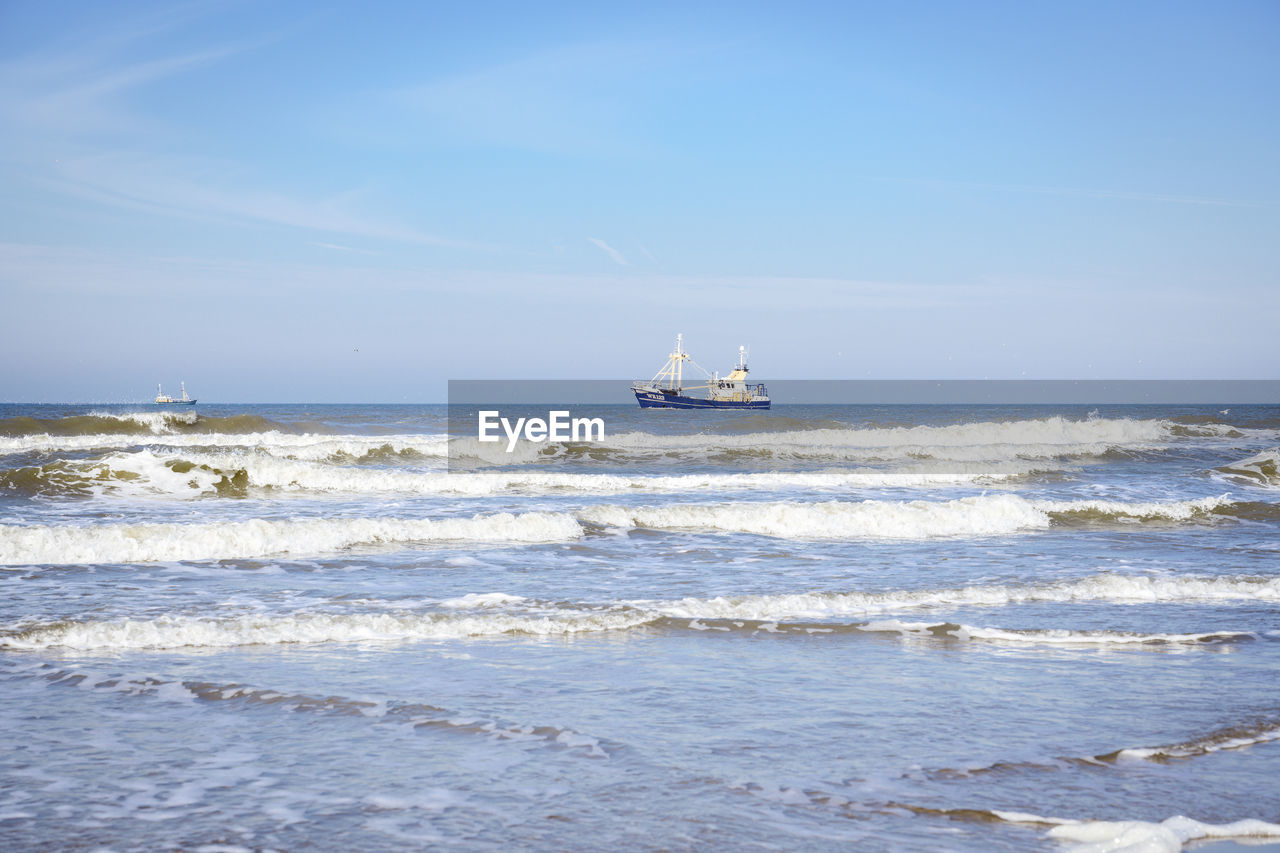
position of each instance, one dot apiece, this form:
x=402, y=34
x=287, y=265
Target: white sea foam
x=1026, y=439
x=1041, y=438
x=986, y=515
x=158, y=421
x=976, y=516
x=1140, y=836
x=474, y=600
x=152, y=472
x=491, y=614
x=313, y=446
x=1262, y=469
x=181, y=631
x=1137, y=510
x=1230, y=739
x=132, y=543
x=1109, y=588
x=145, y=473
x=1053, y=636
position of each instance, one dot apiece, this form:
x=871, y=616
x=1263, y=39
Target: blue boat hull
x=650, y=400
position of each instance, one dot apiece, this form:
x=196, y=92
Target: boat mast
x=678, y=356
x=673, y=370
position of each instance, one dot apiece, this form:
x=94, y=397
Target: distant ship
x=164, y=399
x=666, y=389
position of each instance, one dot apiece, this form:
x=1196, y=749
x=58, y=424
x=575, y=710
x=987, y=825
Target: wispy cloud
x=335, y=247
x=201, y=189
x=41, y=268
x=81, y=95
x=73, y=130
x=610, y=251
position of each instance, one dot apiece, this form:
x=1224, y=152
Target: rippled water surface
x=965, y=628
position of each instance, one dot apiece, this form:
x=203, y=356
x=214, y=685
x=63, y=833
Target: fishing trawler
x=666, y=389
x=163, y=399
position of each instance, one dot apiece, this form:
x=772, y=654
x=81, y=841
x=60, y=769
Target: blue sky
x=357, y=202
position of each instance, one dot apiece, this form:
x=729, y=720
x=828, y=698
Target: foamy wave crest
x=1263, y=469
x=1053, y=636
x=952, y=631
x=136, y=543
x=1098, y=510
x=290, y=475
x=976, y=516
x=1027, y=439
x=104, y=423
x=1236, y=737
x=1168, y=836
x=490, y=614
x=168, y=632
x=314, y=446
x=141, y=473
x=987, y=515
x=1108, y=588
x=195, y=474
x=157, y=422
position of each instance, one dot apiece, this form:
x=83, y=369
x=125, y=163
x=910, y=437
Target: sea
x=945, y=627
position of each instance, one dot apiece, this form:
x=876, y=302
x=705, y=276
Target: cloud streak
x=203, y=189
x=76, y=103
x=613, y=253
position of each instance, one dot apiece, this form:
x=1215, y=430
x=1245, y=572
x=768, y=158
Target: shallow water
x=903, y=627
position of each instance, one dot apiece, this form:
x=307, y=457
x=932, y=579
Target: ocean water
x=900, y=628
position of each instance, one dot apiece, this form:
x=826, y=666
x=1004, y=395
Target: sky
x=341, y=202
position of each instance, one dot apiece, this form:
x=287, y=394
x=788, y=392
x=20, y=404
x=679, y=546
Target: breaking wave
x=1167, y=836
x=1104, y=836
x=987, y=515
x=307, y=445
x=135, y=423
x=494, y=614
x=1263, y=469
x=1107, y=588
x=1027, y=439
x=952, y=631
x=1233, y=737
x=1044, y=438
x=1055, y=636
x=195, y=474
x=1240, y=736
x=60, y=478
x=176, y=632
x=230, y=540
